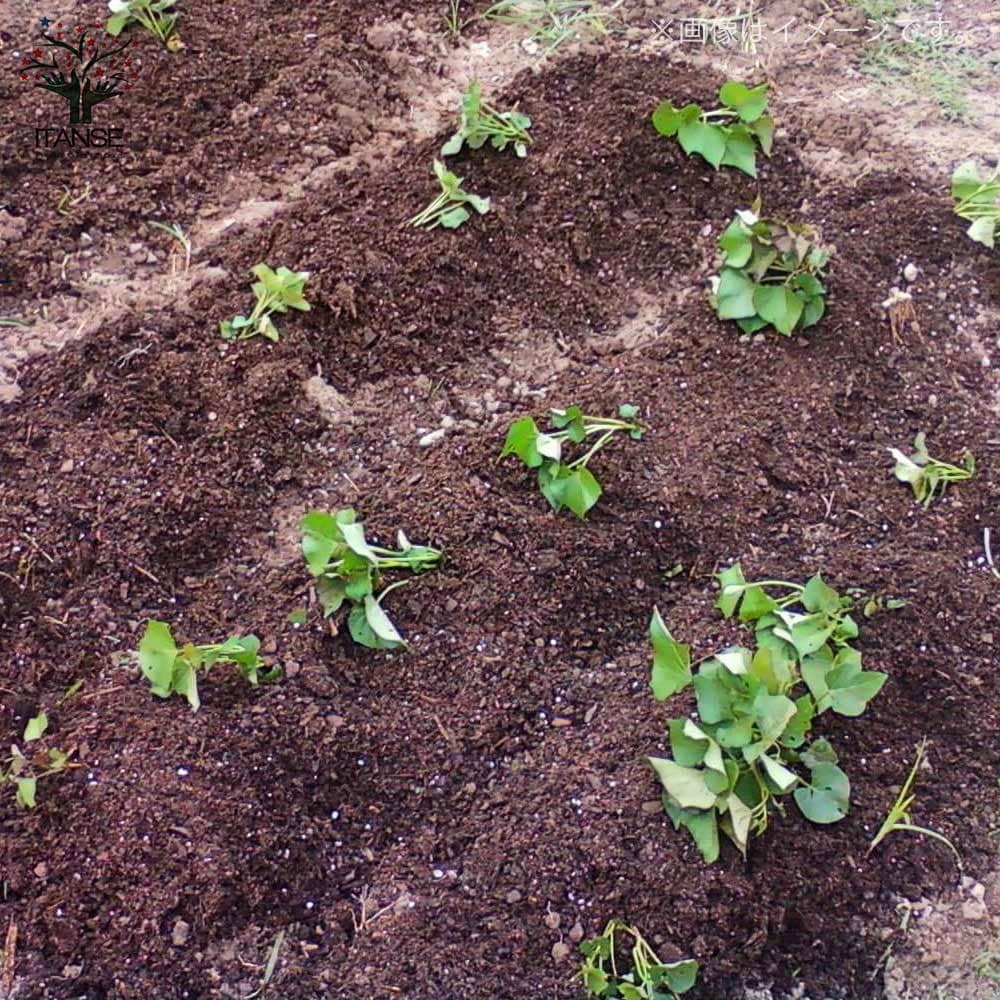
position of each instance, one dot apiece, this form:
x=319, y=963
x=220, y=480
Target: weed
x=480, y=122
x=170, y=670
x=174, y=230
x=771, y=274
x=24, y=772
x=448, y=208
x=276, y=291
x=68, y=201
x=648, y=978
x=928, y=477
x=347, y=567
x=156, y=16
x=16, y=321
x=729, y=135
x=730, y=766
x=899, y=815
x=553, y=22
x=568, y=483
x=977, y=200
x=453, y=19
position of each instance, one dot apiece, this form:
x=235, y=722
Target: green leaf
x=740, y=150
x=779, y=305
x=380, y=624
x=671, y=660
x=827, y=798
x=735, y=297
x=740, y=816
x=708, y=141
x=820, y=752
x=966, y=181
x=26, y=792
x=731, y=577
x=850, y=687
x=580, y=491
x=320, y=538
x=702, y=824
x=687, y=752
x=453, y=145
x=157, y=652
x=783, y=779
x=679, y=976
x=983, y=231
x=819, y=596
x=354, y=536
x=185, y=682
x=684, y=784
x=756, y=604
x=772, y=713
x=748, y=102
x=715, y=700
x=737, y=244
x=763, y=128
x=453, y=218
x=116, y=23
x=521, y=441
x=35, y=729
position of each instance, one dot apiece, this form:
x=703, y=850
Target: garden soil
x=447, y=822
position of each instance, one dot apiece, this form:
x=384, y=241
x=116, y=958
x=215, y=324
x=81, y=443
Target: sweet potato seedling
x=756, y=709
x=24, y=772
x=170, y=670
x=648, y=978
x=348, y=568
x=728, y=136
x=448, y=208
x=770, y=275
x=929, y=478
x=276, y=292
x=156, y=16
x=480, y=123
x=977, y=200
x=568, y=482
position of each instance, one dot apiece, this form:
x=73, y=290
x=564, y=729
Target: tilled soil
x=416, y=823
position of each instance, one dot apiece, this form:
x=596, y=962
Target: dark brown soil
x=493, y=774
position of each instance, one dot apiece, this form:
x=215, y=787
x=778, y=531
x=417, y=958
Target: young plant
x=565, y=482
x=170, y=670
x=648, y=979
x=154, y=15
x=978, y=202
x=25, y=772
x=276, y=292
x=453, y=19
x=727, y=136
x=348, y=568
x=175, y=231
x=448, y=208
x=756, y=709
x=770, y=275
x=899, y=814
x=929, y=478
x=480, y=123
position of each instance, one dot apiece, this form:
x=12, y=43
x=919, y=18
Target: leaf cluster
x=275, y=292
x=728, y=136
x=977, y=200
x=170, y=670
x=756, y=710
x=928, y=477
x=348, y=568
x=770, y=275
x=25, y=772
x=156, y=16
x=480, y=123
x=568, y=482
x=648, y=979
x=448, y=208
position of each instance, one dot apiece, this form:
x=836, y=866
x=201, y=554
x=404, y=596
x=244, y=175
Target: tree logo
x=84, y=73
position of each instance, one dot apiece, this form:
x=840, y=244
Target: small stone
x=67, y=466
x=652, y=807
x=974, y=909
x=514, y=896
x=180, y=934
x=41, y=869
x=552, y=920
x=911, y=272
x=431, y=439
x=560, y=951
